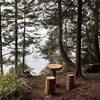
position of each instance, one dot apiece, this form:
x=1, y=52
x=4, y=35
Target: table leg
x=54, y=73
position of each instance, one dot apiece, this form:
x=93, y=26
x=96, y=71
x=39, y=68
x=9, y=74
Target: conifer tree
x=16, y=37
x=28, y=24
x=1, y=57
x=96, y=31
x=60, y=19
x=24, y=33
x=78, y=44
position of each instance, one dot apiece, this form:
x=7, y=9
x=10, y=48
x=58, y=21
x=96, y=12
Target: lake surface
x=35, y=61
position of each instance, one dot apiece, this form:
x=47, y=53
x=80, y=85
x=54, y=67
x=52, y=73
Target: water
x=35, y=61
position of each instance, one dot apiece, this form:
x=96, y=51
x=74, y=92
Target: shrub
x=9, y=86
x=20, y=70
x=11, y=72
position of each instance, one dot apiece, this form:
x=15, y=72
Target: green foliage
x=11, y=72
x=21, y=68
x=50, y=50
x=34, y=82
x=9, y=85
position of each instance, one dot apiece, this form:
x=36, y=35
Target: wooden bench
x=92, y=68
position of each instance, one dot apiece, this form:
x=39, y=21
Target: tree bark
x=78, y=44
x=16, y=37
x=61, y=48
x=1, y=56
x=96, y=32
x=24, y=35
x=88, y=43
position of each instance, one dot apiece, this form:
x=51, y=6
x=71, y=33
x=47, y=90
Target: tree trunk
x=78, y=45
x=61, y=48
x=96, y=32
x=16, y=38
x=24, y=35
x=1, y=59
x=88, y=43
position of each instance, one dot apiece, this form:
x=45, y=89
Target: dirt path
x=85, y=89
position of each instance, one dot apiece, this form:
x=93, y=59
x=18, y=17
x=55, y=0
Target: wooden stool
x=70, y=82
x=50, y=85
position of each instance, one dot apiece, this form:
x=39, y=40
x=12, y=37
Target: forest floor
x=88, y=89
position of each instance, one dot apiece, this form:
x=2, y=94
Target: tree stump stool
x=70, y=82
x=50, y=85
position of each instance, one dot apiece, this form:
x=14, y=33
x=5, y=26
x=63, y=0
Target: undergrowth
x=10, y=87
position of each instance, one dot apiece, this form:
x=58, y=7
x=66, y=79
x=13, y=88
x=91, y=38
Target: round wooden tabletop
x=50, y=77
x=54, y=66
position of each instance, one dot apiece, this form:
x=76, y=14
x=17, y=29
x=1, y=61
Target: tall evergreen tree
x=62, y=51
x=51, y=22
x=16, y=37
x=24, y=33
x=1, y=59
x=28, y=24
x=96, y=32
x=78, y=44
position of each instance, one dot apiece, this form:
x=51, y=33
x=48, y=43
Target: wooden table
x=54, y=68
